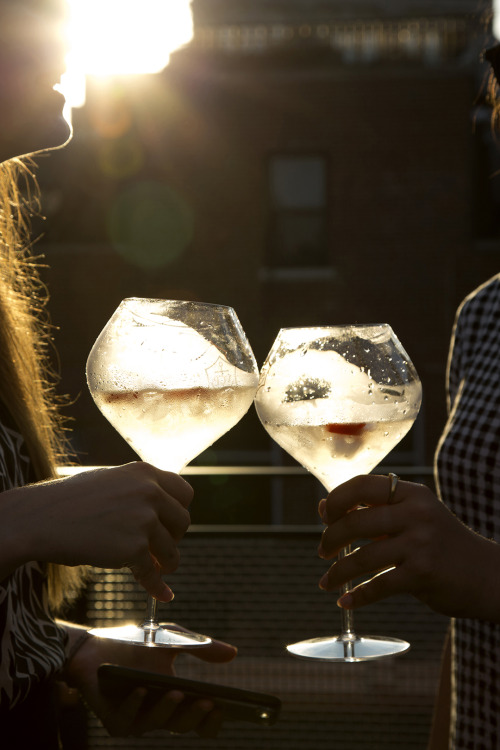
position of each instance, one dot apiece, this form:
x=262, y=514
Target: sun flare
x=121, y=37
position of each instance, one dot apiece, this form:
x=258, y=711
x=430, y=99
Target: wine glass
x=338, y=399
x=172, y=377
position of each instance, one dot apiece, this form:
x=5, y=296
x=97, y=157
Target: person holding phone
x=133, y=515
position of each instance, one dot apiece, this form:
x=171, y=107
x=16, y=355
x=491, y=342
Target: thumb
x=216, y=652
x=147, y=573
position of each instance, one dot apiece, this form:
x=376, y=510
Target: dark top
x=32, y=645
x=468, y=472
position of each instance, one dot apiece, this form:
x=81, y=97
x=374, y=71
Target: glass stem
x=347, y=615
x=151, y=619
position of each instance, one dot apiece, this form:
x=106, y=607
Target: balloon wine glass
x=338, y=399
x=171, y=377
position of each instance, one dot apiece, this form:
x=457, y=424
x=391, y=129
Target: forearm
x=422, y=547
x=70, y=521
x=16, y=524
x=30, y=527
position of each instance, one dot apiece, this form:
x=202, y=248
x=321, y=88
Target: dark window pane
x=297, y=240
x=297, y=182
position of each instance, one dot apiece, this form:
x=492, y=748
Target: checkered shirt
x=468, y=476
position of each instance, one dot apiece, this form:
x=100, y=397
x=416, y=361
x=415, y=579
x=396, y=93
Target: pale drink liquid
x=169, y=428
x=337, y=451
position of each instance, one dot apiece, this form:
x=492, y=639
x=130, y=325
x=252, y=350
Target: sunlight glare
x=121, y=37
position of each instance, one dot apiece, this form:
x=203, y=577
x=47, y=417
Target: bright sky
x=118, y=37
x=496, y=18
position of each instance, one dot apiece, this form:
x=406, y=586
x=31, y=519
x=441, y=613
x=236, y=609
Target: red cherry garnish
x=346, y=428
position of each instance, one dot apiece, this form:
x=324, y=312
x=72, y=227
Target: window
x=297, y=234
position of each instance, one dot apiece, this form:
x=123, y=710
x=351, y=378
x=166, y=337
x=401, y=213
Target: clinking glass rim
x=161, y=300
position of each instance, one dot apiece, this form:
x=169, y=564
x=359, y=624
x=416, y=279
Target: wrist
x=78, y=640
x=77, y=644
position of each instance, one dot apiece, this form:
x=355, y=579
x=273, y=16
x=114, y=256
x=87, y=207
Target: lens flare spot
x=150, y=224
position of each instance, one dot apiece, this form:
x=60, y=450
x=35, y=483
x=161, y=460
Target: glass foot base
x=152, y=636
x=348, y=648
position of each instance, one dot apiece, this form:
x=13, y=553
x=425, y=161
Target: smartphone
x=237, y=704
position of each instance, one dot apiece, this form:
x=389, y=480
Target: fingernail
x=345, y=601
x=166, y=596
x=323, y=584
x=321, y=549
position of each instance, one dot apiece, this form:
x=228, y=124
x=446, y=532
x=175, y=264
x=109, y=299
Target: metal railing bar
x=64, y=471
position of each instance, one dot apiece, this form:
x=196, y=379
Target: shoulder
x=476, y=332
x=483, y=301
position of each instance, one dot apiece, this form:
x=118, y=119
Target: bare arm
x=128, y=516
x=422, y=547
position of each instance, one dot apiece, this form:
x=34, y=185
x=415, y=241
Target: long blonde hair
x=26, y=379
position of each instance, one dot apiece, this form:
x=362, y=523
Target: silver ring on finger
x=394, y=479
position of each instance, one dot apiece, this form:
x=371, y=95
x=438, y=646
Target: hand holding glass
x=171, y=377
x=338, y=399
